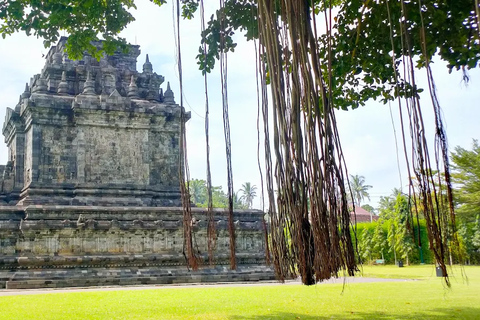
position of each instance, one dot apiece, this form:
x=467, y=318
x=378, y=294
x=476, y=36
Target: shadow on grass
x=438, y=313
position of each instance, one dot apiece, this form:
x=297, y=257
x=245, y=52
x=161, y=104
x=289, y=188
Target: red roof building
x=362, y=215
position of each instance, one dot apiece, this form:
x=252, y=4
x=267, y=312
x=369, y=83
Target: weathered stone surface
x=57, y=278
x=75, y=230
x=77, y=138
x=52, y=246
x=90, y=194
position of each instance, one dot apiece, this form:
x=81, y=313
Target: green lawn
x=424, y=299
x=419, y=272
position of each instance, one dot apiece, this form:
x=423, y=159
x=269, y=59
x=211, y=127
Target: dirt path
x=349, y=280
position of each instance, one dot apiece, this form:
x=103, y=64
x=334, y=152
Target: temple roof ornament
x=26, y=92
x=89, y=86
x=40, y=85
x=110, y=73
x=63, y=85
x=132, y=89
x=147, y=66
x=168, y=97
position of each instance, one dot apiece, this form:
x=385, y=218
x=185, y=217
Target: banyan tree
x=313, y=57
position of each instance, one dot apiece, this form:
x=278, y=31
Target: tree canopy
x=199, y=195
x=365, y=36
x=467, y=179
x=466, y=176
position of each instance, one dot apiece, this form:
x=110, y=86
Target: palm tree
x=198, y=191
x=248, y=193
x=237, y=202
x=359, y=190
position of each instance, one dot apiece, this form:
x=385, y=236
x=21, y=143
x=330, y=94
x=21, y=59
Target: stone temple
x=90, y=194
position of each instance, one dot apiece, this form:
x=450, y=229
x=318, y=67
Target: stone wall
x=71, y=230
x=61, y=241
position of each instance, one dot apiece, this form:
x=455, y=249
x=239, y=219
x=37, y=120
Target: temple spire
x=89, y=85
x=160, y=95
x=26, y=92
x=63, y=85
x=168, y=96
x=147, y=66
x=132, y=88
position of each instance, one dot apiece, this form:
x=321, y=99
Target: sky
x=367, y=133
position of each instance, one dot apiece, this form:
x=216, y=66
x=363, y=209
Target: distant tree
x=359, y=189
x=404, y=241
x=379, y=240
x=198, y=196
x=386, y=207
x=392, y=240
x=198, y=191
x=476, y=236
x=369, y=208
x=366, y=246
x=466, y=176
x=219, y=198
x=396, y=192
x=248, y=194
x=466, y=246
x=237, y=203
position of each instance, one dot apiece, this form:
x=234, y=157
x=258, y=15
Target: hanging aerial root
x=426, y=186
x=228, y=145
x=311, y=227
x=445, y=218
x=211, y=231
x=188, y=249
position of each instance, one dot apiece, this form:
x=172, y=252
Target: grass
x=425, y=299
x=418, y=272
